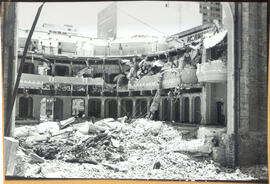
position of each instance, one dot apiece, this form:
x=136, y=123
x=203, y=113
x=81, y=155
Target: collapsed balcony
x=213, y=72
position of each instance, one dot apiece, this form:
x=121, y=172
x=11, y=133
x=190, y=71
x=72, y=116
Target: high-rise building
x=211, y=11
x=107, y=22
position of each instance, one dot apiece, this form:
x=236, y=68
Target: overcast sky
x=83, y=15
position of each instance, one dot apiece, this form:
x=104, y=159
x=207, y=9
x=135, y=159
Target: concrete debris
x=66, y=122
x=36, y=158
x=141, y=149
x=214, y=40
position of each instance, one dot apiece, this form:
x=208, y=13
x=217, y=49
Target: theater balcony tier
x=34, y=81
x=169, y=79
x=212, y=72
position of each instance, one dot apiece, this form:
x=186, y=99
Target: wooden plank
x=10, y=150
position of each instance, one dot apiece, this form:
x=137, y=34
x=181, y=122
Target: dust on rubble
x=121, y=149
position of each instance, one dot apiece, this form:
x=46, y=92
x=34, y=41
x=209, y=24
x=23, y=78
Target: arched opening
x=26, y=107
x=61, y=70
x=230, y=106
x=166, y=109
x=28, y=68
x=156, y=115
x=77, y=107
x=197, y=110
x=141, y=108
x=46, y=109
x=111, y=108
x=94, y=108
x=185, y=109
x=58, y=109
x=177, y=110
x=126, y=107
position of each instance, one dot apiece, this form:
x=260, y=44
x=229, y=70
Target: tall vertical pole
x=15, y=90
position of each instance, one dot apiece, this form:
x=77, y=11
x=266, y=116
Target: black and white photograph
x=140, y=90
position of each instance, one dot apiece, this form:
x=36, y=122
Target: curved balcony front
x=34, y=81
x=212, y=72
x=171, y=79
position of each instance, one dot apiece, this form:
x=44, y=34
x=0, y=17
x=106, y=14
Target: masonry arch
x=231, y=98
x=185, y=110
x=25, y=107
x=111, y=108
x=58, y=109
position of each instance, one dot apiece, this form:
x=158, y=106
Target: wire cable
x=144, y=23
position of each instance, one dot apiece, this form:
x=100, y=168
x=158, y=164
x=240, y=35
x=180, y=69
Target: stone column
x=102, y=111
x=172, y=110
x=191, y=119
x=148, y=104
x=53, y=69
x=161, y=117
x=206, y=104
x=181, y=109
x=134, y=107
x=86, y=106
x=119, y=107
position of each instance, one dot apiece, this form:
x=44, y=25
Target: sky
x=170, y=19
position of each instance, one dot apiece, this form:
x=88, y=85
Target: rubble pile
x=121, y=149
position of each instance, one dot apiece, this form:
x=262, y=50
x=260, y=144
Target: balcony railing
x=212, y=72
x=36, y=81
x=171, y=79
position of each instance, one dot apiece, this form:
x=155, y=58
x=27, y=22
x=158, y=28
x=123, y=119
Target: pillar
x=190, y=109
x=9, y=60
x=102, y=111
x=172, y=110
x=86, y=106
x=148, y=104
x=118, y=107
x=206, y=103
x=133, y=107
x=161, y=109
x=181, y=109
x=53, y=69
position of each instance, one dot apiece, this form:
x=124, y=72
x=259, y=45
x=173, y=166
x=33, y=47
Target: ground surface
x=133, y=151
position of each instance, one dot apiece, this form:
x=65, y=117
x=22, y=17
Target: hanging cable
x=144, y=23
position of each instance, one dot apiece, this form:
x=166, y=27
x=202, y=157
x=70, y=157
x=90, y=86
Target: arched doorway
x=61, y=70
x=177, y=110
x=141, y=108
x=58, y=109
x=111, y=108
x=28, y=68
x=166, y=109
x=156, y=115
x=46, y=109
x=78, y=107
x=26, y=107
x=126, y=107
x=94, y=108
x=185, y=112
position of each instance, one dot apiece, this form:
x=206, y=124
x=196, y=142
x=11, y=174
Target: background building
x=211, y=11
x=107, y=22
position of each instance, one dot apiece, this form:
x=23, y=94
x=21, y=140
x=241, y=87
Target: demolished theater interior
x=159, y=115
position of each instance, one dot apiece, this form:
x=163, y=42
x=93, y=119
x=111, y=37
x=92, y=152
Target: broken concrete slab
x=65, y=123
x=36, y=158
x=10, y=150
